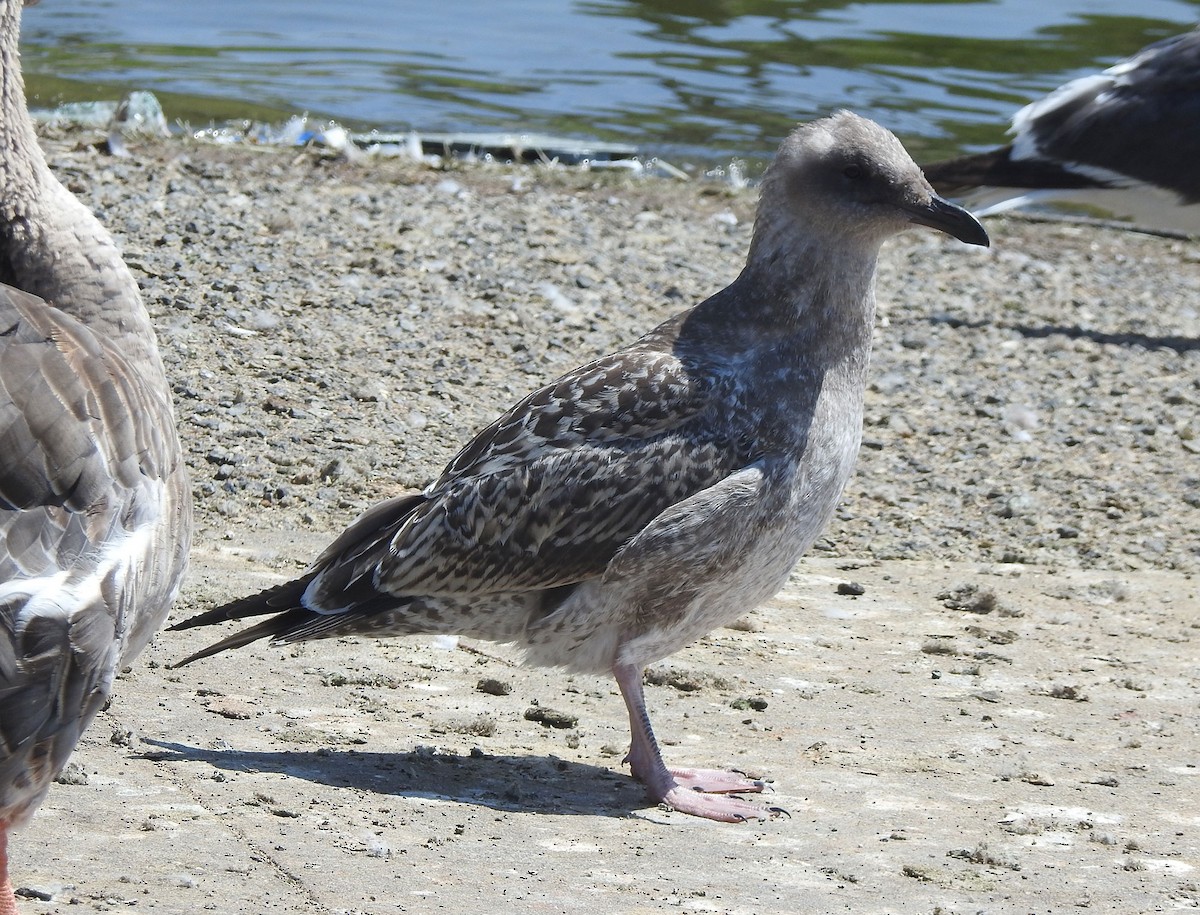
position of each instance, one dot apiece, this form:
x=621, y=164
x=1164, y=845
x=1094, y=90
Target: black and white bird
x=652, y=495
x=1126, y=140
x=95, y=505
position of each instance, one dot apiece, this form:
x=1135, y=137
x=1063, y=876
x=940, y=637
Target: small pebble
x=550, y=718
x=493, y=687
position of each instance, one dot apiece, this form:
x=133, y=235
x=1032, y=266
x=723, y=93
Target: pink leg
x=8, y=902
x=700, y=792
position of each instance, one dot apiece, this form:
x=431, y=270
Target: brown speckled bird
x=650, y=496
x=95, y=506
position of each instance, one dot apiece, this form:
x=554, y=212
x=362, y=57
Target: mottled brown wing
x=84, y=444
x=548, y=493
x=632, y=395
x=84, y=461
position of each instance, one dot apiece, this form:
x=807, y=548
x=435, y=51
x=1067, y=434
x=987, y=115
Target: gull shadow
x=1176, y=342
x=533, y=784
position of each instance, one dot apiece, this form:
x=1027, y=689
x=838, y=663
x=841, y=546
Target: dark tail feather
x=275, y=626
x=281, y=600
x=281, y=597
x=291, y=621
x=999, y=169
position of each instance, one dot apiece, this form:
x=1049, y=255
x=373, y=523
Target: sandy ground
x=978, y=695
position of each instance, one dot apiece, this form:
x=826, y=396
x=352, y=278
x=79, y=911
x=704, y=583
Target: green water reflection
x=700, y=79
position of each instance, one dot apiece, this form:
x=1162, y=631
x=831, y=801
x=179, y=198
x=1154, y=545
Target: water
x=698, y=81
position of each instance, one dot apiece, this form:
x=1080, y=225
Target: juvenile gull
x=95, y=507
x=1126, y=139
x=650, y=496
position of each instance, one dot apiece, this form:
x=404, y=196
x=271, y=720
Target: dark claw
x=777, y=811
x=757, y=782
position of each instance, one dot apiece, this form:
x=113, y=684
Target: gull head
x=849, y=179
